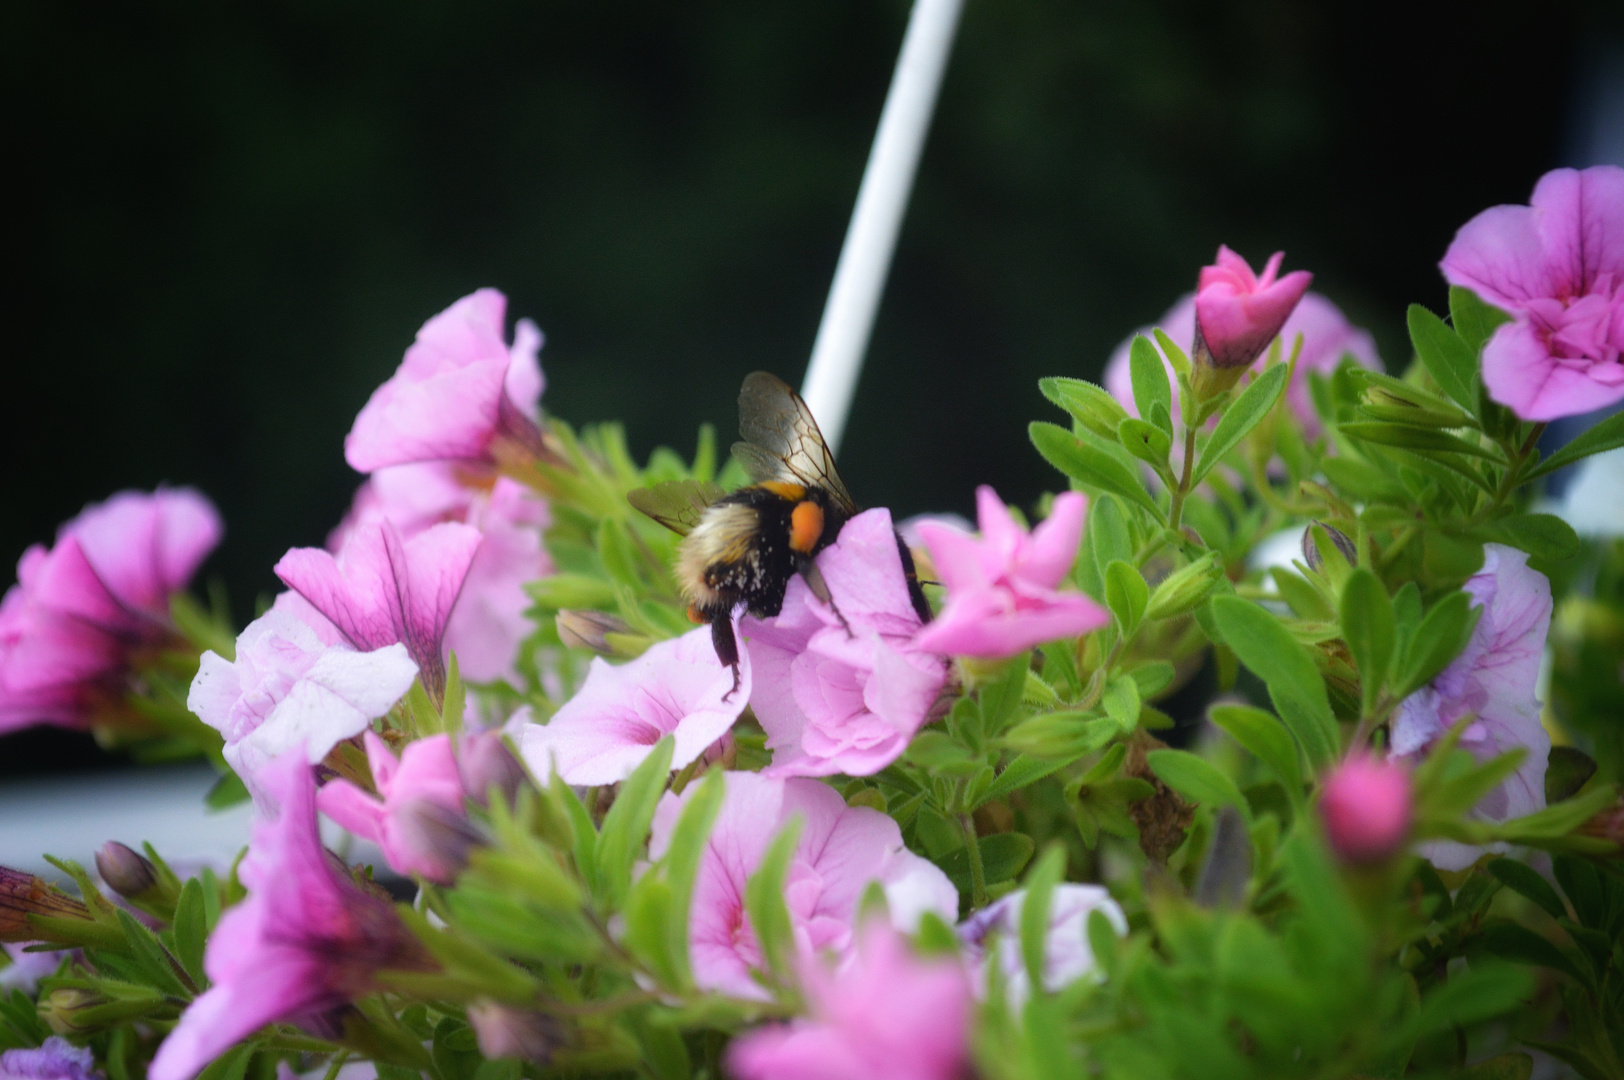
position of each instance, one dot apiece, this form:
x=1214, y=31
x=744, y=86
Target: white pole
x=865, y=259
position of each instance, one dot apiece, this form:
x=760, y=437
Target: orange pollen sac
x=695, y=615
x=805, y=526
x=785, y=490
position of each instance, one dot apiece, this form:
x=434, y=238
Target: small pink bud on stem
x=506, y=1032
x=484, y=763
x=1366, y=807
x=1237, y=314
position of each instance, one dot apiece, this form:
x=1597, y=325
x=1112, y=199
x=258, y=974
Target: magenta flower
x=459, y=392
x=1557, y=265
x=844, y=698
x=1327, y=337
x=1366, y=807
x=79, y=612
x=840, y=851
x=426, y=771
x=609, y=727
x=382, y=589
x=886, y=1015
x=1239, y=313
x=304, y=943
x=288, y=690
x=56, y=1059
x=992, y=939
x=488, y=622
x=1001, y=596
x=1493, y=680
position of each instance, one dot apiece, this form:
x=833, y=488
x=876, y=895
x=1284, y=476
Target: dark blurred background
x=228, y=221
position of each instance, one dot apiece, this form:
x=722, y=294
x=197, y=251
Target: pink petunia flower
x=290, y=691
x=609, y=727
x=1366, y=806
x=460, y=391
x=80, y=611
x=426, y=771
x=304, y=943
x=488, y=622
x=1001, y=596
x=886, y=1015
x=1238, y=313
x=1557, y=265
x=840, y=851
x=1327, y=337
x=992, y=939
x=844, y=697
x=1493, y=680
x=382, y=588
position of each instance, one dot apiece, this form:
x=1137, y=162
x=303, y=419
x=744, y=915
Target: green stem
x=1175, y=509
x=1398, y=545
x=978, y=873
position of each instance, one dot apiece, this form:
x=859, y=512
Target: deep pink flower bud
x=1238, y=313
x=1366, y=809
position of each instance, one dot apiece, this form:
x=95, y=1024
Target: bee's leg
x=820, y=589
x=916, y=595
x=727, y=647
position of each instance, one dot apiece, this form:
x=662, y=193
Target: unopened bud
x=61, y=1009
x=505, y=1032
x=22, y=895
x=1380, y=403
x=601, y=633
x=127, y=873
x=1184, y=589
x=485, y=762
x=1606, y=825
x=1366, y=807
x=439, y=839
x=1339, y=539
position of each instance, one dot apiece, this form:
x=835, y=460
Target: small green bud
x=604, y=634
x=870, y=797
x=1184, y=589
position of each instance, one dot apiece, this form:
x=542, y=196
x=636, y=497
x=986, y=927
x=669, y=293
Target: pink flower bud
x=506, y=1032
x=127, y=873
x=484, y=762
x=1365, y=806
x=1238, y=313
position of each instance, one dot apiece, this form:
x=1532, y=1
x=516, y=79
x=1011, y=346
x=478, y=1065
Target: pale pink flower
x=488, y=623
x=1327, y=337
x=426, y=771
x=991, y=939
x=886, y=1015
x=608, y=728
x=1557, y=265
x=844, y=697
x=26, y=968
x=841, y=850
x=1001, y=596
x=459, y=390
x=383, y=588
x=56, y=1059
x=289, y=691
x=1494, y=680
x=79, y=610
x=304, y=943
x=1239, y=313
x=1366, y=806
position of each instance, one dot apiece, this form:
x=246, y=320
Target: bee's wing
x=782, y=440
x=676, y=504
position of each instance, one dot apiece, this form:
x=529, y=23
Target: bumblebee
x=743, y=547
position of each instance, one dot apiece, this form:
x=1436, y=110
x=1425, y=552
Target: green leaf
x=1475, y=321
x=156, y=963
x=1422, y=440
x=1121, y=701
x=1479, y=993
x=1000, y=700
x=1544, y=536
x=1515, y=942
x=1149, y=376
x=1126, y=594
x=681, y=863
x=1175, y=355
x=1019, y=773
x=226, y=792
x=1040, y=885
x=1268, y=740
x=1002, y=857
x=1145, y=441
x=1109, y=538
x=1368, y=626
x=1605, y=435
x=1448, y=359
x=1568, y=771
x=1524, y=879
x=231, y=1065
x=764, y=902
x=1265, y=646
x=1089, y=404
x=1242, y=416
x=1089, y=465
x=626, y=826
x=1197, y=779
x=1510, y=1066
x=1439, y=639
x=191, y=930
